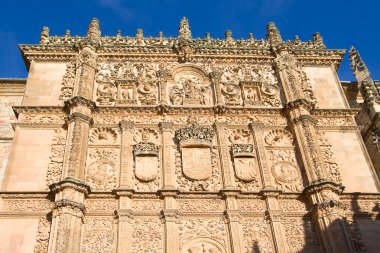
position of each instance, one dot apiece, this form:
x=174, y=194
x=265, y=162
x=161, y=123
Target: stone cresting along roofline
x=61, y=48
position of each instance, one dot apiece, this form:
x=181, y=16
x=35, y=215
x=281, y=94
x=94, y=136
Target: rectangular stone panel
x=29, y=160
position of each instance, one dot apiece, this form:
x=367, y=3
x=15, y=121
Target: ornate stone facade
x=142, y=144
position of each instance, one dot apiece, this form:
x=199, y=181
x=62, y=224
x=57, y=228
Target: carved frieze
x=55, y=167
x=257, y=235
x=328, y=157
x=300, y=235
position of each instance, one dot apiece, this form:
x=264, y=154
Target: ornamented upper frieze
x=183, y=48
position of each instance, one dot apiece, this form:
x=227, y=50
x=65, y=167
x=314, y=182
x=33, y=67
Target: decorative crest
x=273, y=34
x=145, y=148
x=195, y=133
x=317, y=38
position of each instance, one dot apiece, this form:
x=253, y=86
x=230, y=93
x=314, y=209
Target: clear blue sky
x=342, y=23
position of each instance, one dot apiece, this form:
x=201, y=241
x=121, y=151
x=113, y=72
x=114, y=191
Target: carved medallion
x=101, y=175
x=285, y=172
x=197, y=163
x=203, y=245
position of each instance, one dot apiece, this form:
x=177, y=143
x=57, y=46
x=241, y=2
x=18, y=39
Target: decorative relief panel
x=99, y=235
x=282, y=160
x=100, y=205
x=55, y=167
x=300, y=235
x=257, y=236
x=329, y=158
x=197, y=165
x=43, y=235
x=200, y=205
x=147, y=205
x=190, y=89
x=103, y=136
x=26, y=205
x=251, y=205
x=244, y=160
x=102, y=169
x=292, y=205
x=126, y=83
x=193, y=229
x=147, y=235
x=68, y=82
x=146, y=160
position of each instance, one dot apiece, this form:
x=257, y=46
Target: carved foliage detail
x=103, y=135
x=55, y=166
x=99, y=235
x=329, y=158
x=147, y=235
x=300, y=235
x=68, y=82
x=43, y=234
x=257, y=237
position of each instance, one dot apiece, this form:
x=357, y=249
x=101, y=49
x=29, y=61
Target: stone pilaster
x=167, y=165
x=67, y=213
x=257, y=132
x=274, y=217
x=215, y=78
x=234, y=218
x=227, y=171
x=299, y=104
x=163, y=75
x=125, y=218
x=126, y=154
x=170, y=218
x=79, y=122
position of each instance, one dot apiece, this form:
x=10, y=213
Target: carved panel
x=43, y=235
x=292, y=205
x=300, y=235
x=102, y=169
x=251, y=205
x=103, y=136
x=55, y=167
x=200, y=205
x=329, y=158
x=147, y=205
x=147, y=235
x=257, y=236
x=68, y=82
x=192, y=228
x=100, y=205
x=99, y=235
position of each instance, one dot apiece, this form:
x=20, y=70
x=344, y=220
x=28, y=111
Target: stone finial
x=118, y=34
x=228, y=35
x=93, y=32
x=250, y=36
x=317, y=38
x=208, y=36
x=297, y=39
x=184, y=32
x=67, y=33
x=358, y=67
x=44, y=37
x=139, y=34
x=273, y=34
x=160, y=35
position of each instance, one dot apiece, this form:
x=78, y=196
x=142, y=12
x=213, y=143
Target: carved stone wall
x=141, y=144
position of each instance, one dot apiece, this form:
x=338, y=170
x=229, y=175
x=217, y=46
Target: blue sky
x=341, y=23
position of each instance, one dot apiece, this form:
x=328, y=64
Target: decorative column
x=126, y=154
x=67, y=214
x=322, y=191
x=227, y=171
x=71, y=191
x=167, y=166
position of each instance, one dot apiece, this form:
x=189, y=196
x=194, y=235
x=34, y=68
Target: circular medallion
x=285, y=172
x=269, y=89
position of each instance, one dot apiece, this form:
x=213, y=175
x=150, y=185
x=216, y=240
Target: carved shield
x=146, y=168
x=196, y=163
x=245, y=168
